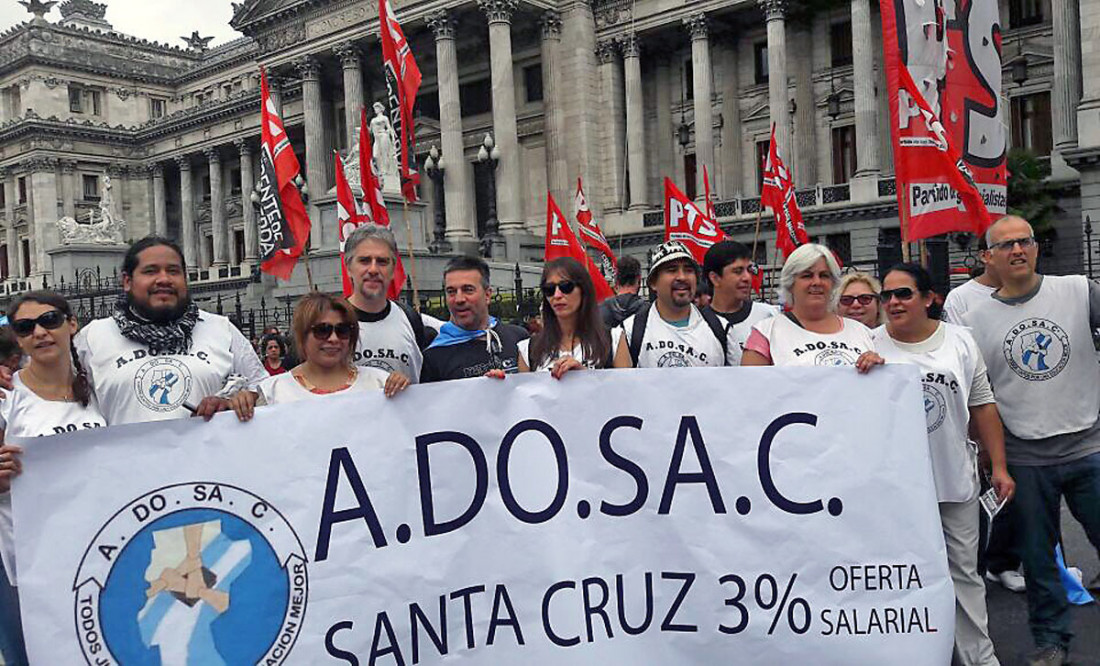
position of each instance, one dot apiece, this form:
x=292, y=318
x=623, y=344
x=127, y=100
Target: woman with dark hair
x=957, y=395
x=50, y=395
x=273, y=348
x=573, y=334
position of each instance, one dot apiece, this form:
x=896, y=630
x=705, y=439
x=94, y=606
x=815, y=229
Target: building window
x=3, y=195
x=1023, y=13
x=15, y=101
x=157, y=107
x=198, y=99
x=235, y=182
x=476, y=97
x=227, y=90
x=76, y=99
x=90, y=185
x=238, y=246
x=761, y=158
x=689, y=80
x=760, y=61
x=841, y=245
x=206, y=188
x=532, y=82
x=4, y=262
x=97, y=102
x=22, y=190
x=208, y=243
x=1031, y=123
x=690, y=177
x=840, y=40
x=844, y=154
x=26, y=246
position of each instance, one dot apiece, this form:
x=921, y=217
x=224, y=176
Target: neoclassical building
x=618, y=92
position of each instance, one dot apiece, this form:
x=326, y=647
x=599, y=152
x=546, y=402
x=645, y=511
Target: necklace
x=308, y=385
x=43, y=389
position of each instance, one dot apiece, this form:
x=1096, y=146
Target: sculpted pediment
x=250, y=11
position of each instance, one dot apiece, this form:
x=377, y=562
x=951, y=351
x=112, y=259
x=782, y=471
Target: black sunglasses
x=325, y=331
x=566, y=287
x=902, y=294
x=50, y=321
x=864, y=299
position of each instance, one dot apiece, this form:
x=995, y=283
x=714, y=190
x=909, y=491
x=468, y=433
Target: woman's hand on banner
x=395, y=384
x=495, y=373
x=11, y=465
x=564, y=365
x=868, y=360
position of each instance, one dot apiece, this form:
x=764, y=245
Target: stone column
x=310, y=71
x=275, y=91
x=557, y=172
x=248, y=213
x=666, y=150
x=635, y=122
x=805, y=116
x=701, y=93
x=775, y=13
x=7, y=181
x=461, y=220
x=188, y=235
x=349, y=56
x=508, y=175
x=579, y=79
x=863, y=75
x=68, y=188
x=42, y=174
x=1066, y=18
x=217, y=208
x=611, y=110
x=731, y=125
x=160, y=210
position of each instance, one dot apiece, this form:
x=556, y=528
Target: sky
x=158, y=20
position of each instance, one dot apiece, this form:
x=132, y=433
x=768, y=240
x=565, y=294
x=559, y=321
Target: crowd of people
x=1009, y=374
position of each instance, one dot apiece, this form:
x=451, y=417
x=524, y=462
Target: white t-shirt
x=954, y=378
x=135, y=385
x=432, y=322
x=389, y=343
x=285, y=388
x=24, y=414
x=738, y=333
x=577, y=353
x=668, y=346
x=963, y=298
x=790, y=344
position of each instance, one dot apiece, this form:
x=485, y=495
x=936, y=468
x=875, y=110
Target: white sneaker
x=1011, y=580
x=1076, y=573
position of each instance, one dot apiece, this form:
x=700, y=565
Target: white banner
x=700, y=516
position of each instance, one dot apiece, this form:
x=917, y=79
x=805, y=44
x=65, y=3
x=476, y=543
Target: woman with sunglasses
x=859, y=299
x=326, y=331
x=957, y=395
x=51, y=395
x=573, y=335
x=810, y=332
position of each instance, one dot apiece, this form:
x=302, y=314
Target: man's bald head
x=1009, y=226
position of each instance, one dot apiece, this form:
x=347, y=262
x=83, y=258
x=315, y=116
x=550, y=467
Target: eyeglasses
x=901, y=293
x=50, y=321
x=1007, y=245
x=566, y=287
x=864, y=299
x=325, y=331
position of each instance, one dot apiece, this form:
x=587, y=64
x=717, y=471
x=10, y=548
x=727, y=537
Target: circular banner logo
x=162, y=384
x=194, y=573
x=1037, y=349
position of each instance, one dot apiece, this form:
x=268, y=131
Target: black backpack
x=423, y=336
x=641, y=318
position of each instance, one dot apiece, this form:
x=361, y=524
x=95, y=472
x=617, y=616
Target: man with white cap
x=671, y=332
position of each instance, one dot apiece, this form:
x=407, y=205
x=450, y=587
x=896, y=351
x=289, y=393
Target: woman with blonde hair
x=859, y=299
x=810, y=332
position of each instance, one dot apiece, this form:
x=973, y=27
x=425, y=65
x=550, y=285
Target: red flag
x=948, y=130
x=398, y=61
x=374, y=204
x=347, y=217
x=560, y=242
x=282, y=223
x=777, y=193
x=684, y=222
x=591, y=234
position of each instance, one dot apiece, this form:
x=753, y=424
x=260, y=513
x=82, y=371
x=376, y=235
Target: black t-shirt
x=473, y=359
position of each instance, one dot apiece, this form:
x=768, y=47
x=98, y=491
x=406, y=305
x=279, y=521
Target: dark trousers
x=1039, y=493
x=999, y=552
x=11, y=630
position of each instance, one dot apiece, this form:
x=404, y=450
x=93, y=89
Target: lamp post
x=1088, y=242
x=489, y=157
x=433, y=165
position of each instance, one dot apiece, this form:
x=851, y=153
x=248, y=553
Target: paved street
x=1008, y=611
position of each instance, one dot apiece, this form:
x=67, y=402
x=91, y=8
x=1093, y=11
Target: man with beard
x=158, y=356
x=472, y=344
x=391, y=335
x=672, y=332
x=727, y=266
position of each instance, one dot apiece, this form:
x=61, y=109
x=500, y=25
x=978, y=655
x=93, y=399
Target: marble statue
x=385, y=149
x=107, y=230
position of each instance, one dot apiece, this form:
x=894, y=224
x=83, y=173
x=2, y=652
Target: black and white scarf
x=167, y=337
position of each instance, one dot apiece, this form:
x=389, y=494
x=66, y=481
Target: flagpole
x=412, y=256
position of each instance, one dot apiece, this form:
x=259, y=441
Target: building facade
x=620, y=93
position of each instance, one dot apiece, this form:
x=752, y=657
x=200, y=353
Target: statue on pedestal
x=107, y=230
x=385, y=149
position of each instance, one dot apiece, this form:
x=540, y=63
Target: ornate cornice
x=349, y=54
x=630, y=45
x=606, y=50
x=156, y=170
x=696, y=25
x=39, y=163
x=442, y=24
x=213, y=155
x=244, y=146
x=498, y=11
x=68, y=166
x=773, y=9
x=551, y=24
x=183, y=162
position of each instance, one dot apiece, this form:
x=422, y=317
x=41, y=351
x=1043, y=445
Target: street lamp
x=1088, y=241
x=489, y=157
x=433, y=165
